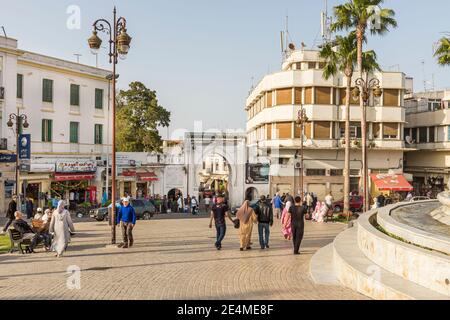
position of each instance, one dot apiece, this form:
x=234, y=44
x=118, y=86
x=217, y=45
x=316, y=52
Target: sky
x=202, y=56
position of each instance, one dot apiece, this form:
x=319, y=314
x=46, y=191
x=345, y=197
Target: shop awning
x=147, y=176
x=74, y=177
x=391, y=182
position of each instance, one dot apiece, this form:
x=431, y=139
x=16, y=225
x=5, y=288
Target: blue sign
x=25, y=147
x=7, y=158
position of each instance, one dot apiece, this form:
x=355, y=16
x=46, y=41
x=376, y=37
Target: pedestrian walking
x=264, y=213
x=309, y=202
x=286, y=221
x=207, y=203
x=247, y=217
x=298, y=223
x=29, y=208
x=127, y=220
x=219, y=212
x=278, y=205
x=61, y=226
x=194, y=205
x=180, y=204
x=329, y=199
x=12, y=208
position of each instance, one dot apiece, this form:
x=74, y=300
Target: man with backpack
x=265, y=221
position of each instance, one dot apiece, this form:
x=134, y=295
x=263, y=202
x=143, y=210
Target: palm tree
x=443, y=52
x=341, y=56
x=358, y=16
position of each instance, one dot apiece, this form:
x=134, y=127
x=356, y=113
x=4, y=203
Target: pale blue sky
x=200, y=55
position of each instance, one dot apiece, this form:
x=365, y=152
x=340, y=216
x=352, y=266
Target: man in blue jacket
x=277, y=205
x=127, y=219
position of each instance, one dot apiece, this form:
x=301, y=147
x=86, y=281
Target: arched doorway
x=213, y=177
x=172, y=198
x=251, y=194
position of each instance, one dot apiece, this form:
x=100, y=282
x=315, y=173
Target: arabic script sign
x=76, y=166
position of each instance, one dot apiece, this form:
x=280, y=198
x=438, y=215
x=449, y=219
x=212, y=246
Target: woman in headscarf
x=61, y=225
x=286, y=221
x=317, y=210
x=247, y=217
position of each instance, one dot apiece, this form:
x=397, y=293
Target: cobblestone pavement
x=172, y=259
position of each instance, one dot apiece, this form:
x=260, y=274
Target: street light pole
x=21, y=121
x=363, y=90
x=301, y=120
x=119, y=45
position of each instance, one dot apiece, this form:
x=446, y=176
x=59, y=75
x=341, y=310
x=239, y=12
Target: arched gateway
x=231, y=147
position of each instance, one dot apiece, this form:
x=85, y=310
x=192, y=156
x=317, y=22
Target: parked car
x=145, y=210
x=356, y=204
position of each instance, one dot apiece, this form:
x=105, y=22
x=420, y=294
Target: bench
x=19, y=244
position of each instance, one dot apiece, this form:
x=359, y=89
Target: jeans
x=221, y=231
x=264, y=234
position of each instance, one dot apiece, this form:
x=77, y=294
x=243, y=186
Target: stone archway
x=251, y=194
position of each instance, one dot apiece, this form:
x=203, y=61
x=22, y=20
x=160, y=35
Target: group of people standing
x=262, y=214
x=53, y=227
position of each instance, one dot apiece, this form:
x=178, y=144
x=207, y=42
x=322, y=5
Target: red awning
x=391, y=182
x=74, y=177
x=147, y=176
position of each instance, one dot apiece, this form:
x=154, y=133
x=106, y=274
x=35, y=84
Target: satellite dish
x=292, y=46
x=409, y=140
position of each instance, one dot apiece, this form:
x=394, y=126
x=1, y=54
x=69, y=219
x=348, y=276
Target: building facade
x=67, y=107
x=427, y=135
x=272, y=110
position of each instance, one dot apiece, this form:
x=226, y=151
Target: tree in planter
x=341, y=56
x=358, y=16
x=138, y=117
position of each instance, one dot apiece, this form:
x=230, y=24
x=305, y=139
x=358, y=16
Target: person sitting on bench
x=25, y=230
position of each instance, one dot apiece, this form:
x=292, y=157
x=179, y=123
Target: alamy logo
x=374, y=17
x=74, y=280
x=74, y=19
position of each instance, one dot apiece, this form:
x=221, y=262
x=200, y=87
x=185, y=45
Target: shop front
x=394, y=186
x=137, y=183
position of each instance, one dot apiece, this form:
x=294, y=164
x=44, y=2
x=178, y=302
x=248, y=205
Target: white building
x=272, y=109
x=67, y=108
x=427, y=134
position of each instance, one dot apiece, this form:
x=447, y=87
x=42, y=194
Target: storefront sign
x=42, y=167
x=76, y=166
x=25, y=167
x=7, y=158
x=74, y=177
x=25, y=147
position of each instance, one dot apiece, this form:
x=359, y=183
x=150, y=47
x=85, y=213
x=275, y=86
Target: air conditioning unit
x=2, y=93
x=3, y=144
x=298, y=165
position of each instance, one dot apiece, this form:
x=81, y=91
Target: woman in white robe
x=60, y=226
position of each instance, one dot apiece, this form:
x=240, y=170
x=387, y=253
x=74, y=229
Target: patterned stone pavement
x=172, y=259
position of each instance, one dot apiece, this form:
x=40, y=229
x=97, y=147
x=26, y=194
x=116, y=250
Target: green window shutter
x=43, y=130
x=101, y=134
x=74, y=95
x=98, y=134
x=19, y=86
x=74, y=132
x=98, y=98
x=49, y=130
x=47, y=90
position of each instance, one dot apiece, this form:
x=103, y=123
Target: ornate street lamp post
x=119, y=45
x=301, y=120
x=21, y=121
x=364, y=89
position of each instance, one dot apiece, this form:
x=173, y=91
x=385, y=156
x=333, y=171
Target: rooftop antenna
x=325, y=24
x=78, y=56
x=424, y=76
x=4, y=32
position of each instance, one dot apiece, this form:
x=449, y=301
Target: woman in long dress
x=286, y=227
x=60, y=226
x=317, y=209
x=247, y=217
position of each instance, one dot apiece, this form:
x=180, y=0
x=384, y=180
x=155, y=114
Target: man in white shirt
x=329, y=201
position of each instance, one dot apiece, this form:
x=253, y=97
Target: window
x=434, y=104
x=323, y=95
x=311, y=65
x=47, y=90
x=284, y=130
x=74, y=95
x=423, y=135
x=47, y=130
x=298, y=96
x=98, y=134
x=376, y=129
x=336, y=172
x=308, y=95
x=269, y=131
x=390, y=130
x=390, y=97
x=284, y=96
x=307, y=126
x=414, y=134
x=98, y=98
x=355, y=130
x=354, y=172
x=269, y=99
x=448, y=135
x=431, y=134
x=20, y=86
x=316, y=172
x=322, y=130
x=74, y=132
x=283, y=161
x=343, y=97
x=217, y=165
x=204, y=165
x=322, y=65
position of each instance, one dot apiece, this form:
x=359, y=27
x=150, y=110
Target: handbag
x=237, y=223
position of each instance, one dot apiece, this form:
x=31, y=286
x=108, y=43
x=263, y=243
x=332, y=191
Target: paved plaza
x=172, y=259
